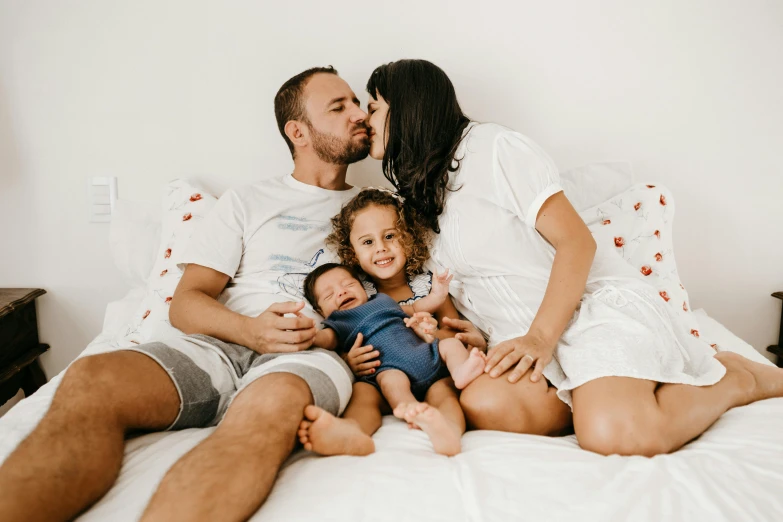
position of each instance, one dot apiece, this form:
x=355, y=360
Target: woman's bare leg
x=620, y=415
x=493, y=403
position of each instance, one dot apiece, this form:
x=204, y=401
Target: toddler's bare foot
x=445, y=436
x=470, y=369
x=756, y=381
x=323, y=433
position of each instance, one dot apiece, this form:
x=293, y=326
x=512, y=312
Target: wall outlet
x=101, y=196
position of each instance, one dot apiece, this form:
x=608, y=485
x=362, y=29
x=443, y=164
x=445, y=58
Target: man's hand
x=468, y=334
x=362, y=359
x=271, y=332
x=423, y=324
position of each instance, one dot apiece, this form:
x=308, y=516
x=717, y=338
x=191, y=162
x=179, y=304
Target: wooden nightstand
x=19, y=346
x=778, y=350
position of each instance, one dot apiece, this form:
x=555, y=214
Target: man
x=243, y=363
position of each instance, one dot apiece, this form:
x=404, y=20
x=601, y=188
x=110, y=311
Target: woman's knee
x=620, y=433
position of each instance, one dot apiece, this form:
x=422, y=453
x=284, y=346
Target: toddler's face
x=376, y=242
x=337, y=289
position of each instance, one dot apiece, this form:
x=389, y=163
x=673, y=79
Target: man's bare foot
x=445, y=436
x=756, y=381
x=323, y=433
x=470, y=369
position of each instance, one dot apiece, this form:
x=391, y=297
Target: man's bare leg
x=229, y=475
x=74, y=455
x=323, y=433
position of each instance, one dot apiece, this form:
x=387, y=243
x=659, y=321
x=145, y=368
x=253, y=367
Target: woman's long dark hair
x=424, y=128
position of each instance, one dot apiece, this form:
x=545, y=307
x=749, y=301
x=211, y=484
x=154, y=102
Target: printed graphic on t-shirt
x=292, y=280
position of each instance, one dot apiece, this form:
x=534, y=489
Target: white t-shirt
x=267, y=237
x=501, y=263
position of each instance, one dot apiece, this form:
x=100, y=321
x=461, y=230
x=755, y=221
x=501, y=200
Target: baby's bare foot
x=470, y=369
x=323, y=433
x=445, y=436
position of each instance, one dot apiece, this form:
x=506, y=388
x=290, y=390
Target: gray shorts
x=208, y=373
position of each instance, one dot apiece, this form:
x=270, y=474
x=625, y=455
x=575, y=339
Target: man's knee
x=616, y=433
x=275, y=400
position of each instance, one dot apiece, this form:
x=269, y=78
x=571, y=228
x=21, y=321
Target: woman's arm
x=575, y=247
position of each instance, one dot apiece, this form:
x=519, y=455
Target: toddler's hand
x=423, y=324
x=362, y=359
x=440, y=284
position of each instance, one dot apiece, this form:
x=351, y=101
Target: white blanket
x=731, y=473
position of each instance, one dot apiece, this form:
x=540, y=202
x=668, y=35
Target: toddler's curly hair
x=414, y=236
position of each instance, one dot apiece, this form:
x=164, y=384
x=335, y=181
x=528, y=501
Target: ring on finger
x=528, y=356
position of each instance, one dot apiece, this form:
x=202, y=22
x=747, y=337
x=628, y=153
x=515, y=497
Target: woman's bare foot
x=470, y=369
x=323, y=433
x=756, y=381
x=445, y=436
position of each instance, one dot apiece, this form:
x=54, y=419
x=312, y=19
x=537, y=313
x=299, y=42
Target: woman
x=637, y=383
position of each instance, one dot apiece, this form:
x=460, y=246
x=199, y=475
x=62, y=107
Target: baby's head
x=375, y=233
x=333, y=287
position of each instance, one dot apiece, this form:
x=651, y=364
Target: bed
x=733, y=472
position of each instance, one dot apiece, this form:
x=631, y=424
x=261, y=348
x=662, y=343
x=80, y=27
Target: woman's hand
x=423, y=324
x=362, y=359
x=467, y=333
x=526, y=352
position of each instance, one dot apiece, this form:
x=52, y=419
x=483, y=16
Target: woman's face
x=378, y=110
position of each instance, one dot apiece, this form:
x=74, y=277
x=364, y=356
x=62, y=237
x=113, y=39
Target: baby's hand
x=423, y=324
x=440, y=284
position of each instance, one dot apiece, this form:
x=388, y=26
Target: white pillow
x=133, y=238
x=184, y=205
x=595, y=183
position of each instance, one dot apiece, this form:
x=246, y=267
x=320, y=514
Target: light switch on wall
x=101, y=196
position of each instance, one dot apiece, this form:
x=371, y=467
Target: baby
x=412, y=358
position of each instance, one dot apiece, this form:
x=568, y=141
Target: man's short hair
x=289, y=102
x=309, y=283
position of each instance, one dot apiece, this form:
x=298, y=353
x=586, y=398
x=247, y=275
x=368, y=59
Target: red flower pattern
x=657, y=234
x=663, y=200
x=167, y=253
x=664, y=295
x=694, y=333
x=607, y=222
x=684, y=306
x=619, y=242
x=650, y=186
x=146, y=314
x=714, y=347
x=168, y=300
x=195, y=197
x=658, y=257
x=164, y=272
x=646, y=270
x=637, y=206
x=187, y=217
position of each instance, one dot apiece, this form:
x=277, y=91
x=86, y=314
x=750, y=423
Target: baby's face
x=337, y=289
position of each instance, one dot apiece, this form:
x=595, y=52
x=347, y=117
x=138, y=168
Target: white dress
x=501, y=268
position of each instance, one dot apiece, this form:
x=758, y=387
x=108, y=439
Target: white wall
x=150, y=90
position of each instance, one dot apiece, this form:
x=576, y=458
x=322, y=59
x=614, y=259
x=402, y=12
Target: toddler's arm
x=437, y=296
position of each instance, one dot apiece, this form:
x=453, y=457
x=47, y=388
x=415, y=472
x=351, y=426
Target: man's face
x=338, y=133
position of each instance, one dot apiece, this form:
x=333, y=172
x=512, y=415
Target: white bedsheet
x=731, y=473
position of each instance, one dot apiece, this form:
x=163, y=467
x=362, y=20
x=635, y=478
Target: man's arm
x=195, y=309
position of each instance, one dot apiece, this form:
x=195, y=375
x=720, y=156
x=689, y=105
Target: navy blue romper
x=380, y=320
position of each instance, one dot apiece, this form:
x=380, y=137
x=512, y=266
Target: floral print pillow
x=638, y=225
x=184, y=206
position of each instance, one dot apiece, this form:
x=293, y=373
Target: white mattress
x=731, y=473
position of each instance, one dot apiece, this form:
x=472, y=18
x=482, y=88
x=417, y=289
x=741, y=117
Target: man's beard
x=332, y=149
